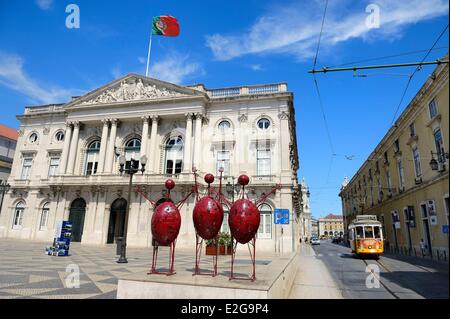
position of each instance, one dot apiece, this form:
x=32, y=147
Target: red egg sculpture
x=244, y=219
x=208, y=217
x=166, y=223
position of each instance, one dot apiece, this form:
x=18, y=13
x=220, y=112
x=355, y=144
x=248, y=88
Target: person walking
x=423, y=247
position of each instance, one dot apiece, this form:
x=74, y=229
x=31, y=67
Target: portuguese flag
x=166, y=26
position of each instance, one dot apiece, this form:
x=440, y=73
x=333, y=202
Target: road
x=400, y=278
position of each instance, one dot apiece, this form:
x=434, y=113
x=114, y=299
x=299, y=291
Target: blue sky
x=231, y=43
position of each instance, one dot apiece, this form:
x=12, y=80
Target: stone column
x=144, y=136
x=104, y=141
x=66, y=149
x=152, y=151
x=187, y=167
x=285, y=136
x=198, y=140
x=110, y=150
x=73, y=148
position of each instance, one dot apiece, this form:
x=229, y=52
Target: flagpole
x=148, y=54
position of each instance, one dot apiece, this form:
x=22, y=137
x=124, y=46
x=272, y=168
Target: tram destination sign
x=281, y=216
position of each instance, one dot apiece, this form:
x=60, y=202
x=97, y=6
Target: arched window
x=59, y=136
x=33, y=138
x=225, y=228
x=44, y=216
x=18, y=214
x=265, y=225
x=174, y=155
x=263, y=123
x=223, y=126
x=92, y=158
x=132, y=151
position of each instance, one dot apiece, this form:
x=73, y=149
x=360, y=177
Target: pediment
x=133, y=88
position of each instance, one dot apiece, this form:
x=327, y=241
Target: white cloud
x=13, y=76
x=294, y=29
x=116, y=72
x=44, y=4
x=142, y=60
x=256, y=67
x=175, y=68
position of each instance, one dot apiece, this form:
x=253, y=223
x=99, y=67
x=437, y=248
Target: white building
x=306, y=210
x=66, y=164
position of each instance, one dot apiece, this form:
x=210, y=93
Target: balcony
x=138, y=179
x=248, y=90
x=263, y=179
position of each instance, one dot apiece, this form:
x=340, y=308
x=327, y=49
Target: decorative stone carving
x=46, y=130
x=20, y=132
x=132, y=90
x=243, y=118
x=283, y=115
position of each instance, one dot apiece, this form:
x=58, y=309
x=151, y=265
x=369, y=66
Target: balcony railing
x=248, y=90
x=44, y=108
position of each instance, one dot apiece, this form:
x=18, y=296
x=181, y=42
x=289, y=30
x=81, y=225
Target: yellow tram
x=366, y=236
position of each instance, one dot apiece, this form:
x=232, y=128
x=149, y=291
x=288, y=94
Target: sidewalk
x=313, y=281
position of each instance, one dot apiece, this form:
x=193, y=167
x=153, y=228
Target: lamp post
x=230, y=188
x=131, y=170
x=4, y=188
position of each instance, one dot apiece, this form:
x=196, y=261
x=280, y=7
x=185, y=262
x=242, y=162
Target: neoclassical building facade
x=66, y=165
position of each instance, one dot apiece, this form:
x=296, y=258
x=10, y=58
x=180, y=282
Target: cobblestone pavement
x=27, y=272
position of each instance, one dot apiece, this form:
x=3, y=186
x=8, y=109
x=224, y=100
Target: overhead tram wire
x=384, y=57
x=317, y=85
x=418, y=68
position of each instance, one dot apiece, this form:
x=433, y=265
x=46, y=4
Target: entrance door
x=117, y=220
x=407, y=226
x=394, y=230
x=76, y=216
x=426, y=227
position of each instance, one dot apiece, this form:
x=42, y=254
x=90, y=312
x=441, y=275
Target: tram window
x=377, y=232
x=359, y=232
x=368, y=230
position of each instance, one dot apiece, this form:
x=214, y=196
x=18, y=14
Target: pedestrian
x=300, y=240
x=423, y=247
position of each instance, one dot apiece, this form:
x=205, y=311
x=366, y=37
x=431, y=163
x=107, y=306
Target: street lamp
x=4, y=188
x=131, y=170
x=231, y=187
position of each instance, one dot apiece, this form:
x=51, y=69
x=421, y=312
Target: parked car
x=315, y=241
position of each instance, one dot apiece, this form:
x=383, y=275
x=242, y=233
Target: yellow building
x=331, y=226
x=405, y=179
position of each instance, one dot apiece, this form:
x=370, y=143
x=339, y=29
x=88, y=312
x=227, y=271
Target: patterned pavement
x=27, y=272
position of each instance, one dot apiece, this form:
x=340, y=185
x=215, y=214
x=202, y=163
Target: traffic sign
x=281, y=216
x=445, y=229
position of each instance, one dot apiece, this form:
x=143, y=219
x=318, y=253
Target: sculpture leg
x=233, y=255
x=253, y=277
x=155, y=258
x=172, y=258
x=215, y=257
x=198, y=251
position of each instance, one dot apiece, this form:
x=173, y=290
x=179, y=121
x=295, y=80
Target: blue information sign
x=445, y=229
x=281, y=216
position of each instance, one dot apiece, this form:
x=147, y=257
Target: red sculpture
x=244, y=219
x=207, y=217
x=166, y=222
